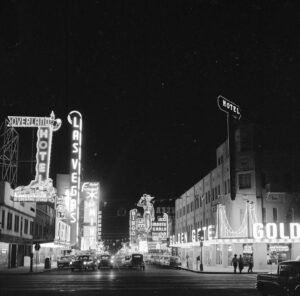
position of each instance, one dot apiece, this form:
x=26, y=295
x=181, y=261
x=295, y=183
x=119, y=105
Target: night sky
x=146, y=76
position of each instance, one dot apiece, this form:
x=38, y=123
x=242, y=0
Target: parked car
x=135, y=261
x=64, y=262
x=175, y=261
x=105, y=261
x=286, y=281
x=83, y=262
x=126, y=261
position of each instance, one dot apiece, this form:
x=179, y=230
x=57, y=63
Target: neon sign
x=271, y=231
x=91, y=199
x=75, y=119
x=159, y=229
x=41, y=188
x=227, y=106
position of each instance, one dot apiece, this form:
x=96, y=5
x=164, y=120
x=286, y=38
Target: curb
x=216, y=272
x=27, y=272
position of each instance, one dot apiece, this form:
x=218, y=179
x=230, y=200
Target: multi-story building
x=17, y=220
x=262, y=219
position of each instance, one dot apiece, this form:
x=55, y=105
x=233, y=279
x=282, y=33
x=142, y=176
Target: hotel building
x=263, y=218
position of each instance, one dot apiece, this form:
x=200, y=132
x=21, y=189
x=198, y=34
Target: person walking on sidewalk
x=250, y=263
x=197, y=262
x=241, y=264
x=234, y=262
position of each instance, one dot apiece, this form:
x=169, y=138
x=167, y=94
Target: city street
x=153, y=281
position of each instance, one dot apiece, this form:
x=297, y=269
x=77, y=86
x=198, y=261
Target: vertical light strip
x=75, y=119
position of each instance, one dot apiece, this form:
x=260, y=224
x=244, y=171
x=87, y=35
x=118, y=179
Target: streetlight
x=201, y=238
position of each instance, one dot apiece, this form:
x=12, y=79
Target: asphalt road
x=152, y=281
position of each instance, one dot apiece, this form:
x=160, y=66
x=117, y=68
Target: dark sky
x=146, y=76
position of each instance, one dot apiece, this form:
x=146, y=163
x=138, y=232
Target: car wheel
x=72, y=269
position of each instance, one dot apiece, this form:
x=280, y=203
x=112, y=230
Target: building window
x=201, y=201
x=206, y=197
x=228, y=186
x=219, y=190
x=31, y=228
x=264, y=216
x=26, y=226
x=17, y=223
x=3, y=219
x=209, y=196
x=9, y=221
x=244, y=181
x=225, y=183
x=275, y=215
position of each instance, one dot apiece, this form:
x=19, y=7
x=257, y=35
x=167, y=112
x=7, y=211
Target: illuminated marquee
x=75, y=119
x=41, y=188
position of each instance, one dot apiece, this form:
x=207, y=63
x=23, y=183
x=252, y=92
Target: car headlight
x=84, y=263
x=111, y=261
x=98, y=261
x=71, y=263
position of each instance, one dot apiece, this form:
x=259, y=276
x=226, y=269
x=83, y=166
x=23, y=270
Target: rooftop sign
x=229, y=107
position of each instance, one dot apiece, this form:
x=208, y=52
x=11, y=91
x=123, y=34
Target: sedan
x=83, y=262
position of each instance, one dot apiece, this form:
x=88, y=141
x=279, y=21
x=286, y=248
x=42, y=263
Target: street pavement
x=206, y=269
x=152, y=281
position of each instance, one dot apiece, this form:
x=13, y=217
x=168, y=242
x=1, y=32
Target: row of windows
x=211, y=195
x=197, y=225
x=18, y=223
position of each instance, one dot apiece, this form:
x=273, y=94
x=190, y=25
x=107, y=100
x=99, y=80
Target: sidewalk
x=39, y=268
x=229, y=269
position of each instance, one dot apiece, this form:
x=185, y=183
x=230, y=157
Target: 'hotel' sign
x=229, y=107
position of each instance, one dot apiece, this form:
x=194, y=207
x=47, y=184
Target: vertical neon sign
x=75, y=119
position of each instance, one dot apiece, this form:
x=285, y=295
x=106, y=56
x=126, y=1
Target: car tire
x=72, y=269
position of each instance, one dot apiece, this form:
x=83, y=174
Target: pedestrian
x=187, y=261
x=250, y=263
x=197, y=262
x=234, y=262
x=241, y=264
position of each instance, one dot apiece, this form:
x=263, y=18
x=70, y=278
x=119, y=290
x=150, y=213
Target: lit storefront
x=269, y=245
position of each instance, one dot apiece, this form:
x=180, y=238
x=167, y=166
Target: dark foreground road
x=153, y=281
